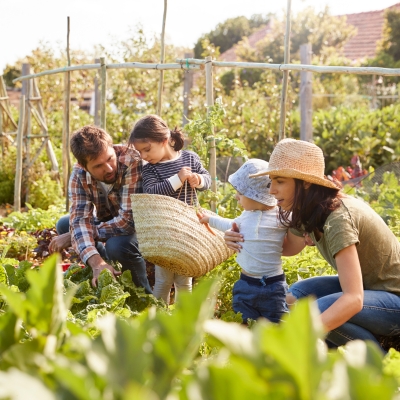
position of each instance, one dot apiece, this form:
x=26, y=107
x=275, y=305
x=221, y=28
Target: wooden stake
x=213, y=155
x=3, y=139
x=66, y=159
x=187, y=86
x=103, y=93
x=18, y=167
x=306, y=95
x=162, y=59
x=286, y=60
x=96, y=96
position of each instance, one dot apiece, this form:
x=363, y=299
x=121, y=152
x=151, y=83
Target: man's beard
x=111, y=179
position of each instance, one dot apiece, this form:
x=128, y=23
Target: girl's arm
x=350, y=278
x=292, y=244
x=166, y=187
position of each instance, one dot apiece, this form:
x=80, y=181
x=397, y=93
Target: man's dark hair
x=88, y=143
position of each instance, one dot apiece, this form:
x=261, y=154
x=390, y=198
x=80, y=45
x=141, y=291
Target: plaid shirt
x=96, y=216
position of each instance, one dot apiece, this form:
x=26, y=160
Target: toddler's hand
x=203, y=218
x=184, y=174
x=194, y=181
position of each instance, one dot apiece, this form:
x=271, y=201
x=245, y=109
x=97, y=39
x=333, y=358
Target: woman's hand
x=232, y=238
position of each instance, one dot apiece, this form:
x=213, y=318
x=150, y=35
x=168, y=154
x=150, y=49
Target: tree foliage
x=321, y=29
x=230, y=32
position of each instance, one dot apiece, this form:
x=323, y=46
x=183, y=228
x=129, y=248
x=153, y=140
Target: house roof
x=363, y=44
x=369, y=27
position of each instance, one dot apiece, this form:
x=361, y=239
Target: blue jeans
x=265, y=297
x=123, y=249
x=380, y=315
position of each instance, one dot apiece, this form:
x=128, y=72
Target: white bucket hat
x=298, y=159
x=256, y=189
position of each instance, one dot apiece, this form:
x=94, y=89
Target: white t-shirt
x=263, y=238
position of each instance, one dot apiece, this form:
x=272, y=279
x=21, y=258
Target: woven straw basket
x=171, y=236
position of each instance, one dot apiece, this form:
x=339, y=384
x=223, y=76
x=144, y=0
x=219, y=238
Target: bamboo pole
x=162, y=59
x=299, y=67
x=27, y=131
x=187, y=87
x=306, y=95
x=82, y=67
x=96, y=97
x=3, y=139
x=210, y=102
x=194, y=64
x=286, y=60
x=103, y=93
x=137, y=65
x=181, y=65
x=66, y=160
x=18, y=167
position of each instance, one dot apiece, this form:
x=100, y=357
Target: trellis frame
x=191, y=63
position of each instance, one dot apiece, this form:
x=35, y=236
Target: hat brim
x=292, y=173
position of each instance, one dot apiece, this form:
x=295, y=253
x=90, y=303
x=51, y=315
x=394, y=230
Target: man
x=100, y=187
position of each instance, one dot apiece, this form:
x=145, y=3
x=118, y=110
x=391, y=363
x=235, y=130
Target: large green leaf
x=153, y=349
x=294, y=345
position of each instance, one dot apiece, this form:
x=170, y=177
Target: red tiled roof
x=369, y=27
x=363, y=44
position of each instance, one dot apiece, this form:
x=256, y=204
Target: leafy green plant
x=182, y=354
x=34, y=219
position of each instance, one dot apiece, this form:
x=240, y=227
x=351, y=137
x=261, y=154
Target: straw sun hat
x=298, y=159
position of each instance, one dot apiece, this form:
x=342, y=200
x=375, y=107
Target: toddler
x=261, y=289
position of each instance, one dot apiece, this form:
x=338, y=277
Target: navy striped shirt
x=162, y=178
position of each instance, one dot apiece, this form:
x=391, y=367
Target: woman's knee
x=319, y=286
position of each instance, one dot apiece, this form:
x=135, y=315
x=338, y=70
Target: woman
x=363, y=300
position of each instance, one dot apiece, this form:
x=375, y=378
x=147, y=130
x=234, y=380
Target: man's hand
x=232, y=238
x=184, y=173
x=194, y=180
x=60, y=243
x=98, y=264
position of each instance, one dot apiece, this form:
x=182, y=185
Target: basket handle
x=192, y=190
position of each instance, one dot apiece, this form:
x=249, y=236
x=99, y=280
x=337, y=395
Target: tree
x=321, y=29
x=391, y=35
x=230, y=32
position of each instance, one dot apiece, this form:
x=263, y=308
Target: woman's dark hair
x=311, y=207
x=152, y=128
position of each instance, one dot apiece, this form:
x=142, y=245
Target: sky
x=25, y=23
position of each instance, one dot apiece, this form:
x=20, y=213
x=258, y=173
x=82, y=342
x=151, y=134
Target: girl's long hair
x=153, y=128
x=311, y=207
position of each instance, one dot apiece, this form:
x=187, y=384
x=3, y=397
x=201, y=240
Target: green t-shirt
x=354, y=222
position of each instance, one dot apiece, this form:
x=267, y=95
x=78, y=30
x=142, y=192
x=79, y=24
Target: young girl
x=363, y=300
x=166, y=169
x=261, y=289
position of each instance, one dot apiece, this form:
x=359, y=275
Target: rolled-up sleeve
x=82, y=224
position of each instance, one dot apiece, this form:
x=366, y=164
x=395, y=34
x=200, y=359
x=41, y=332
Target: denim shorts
x=265, y=297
